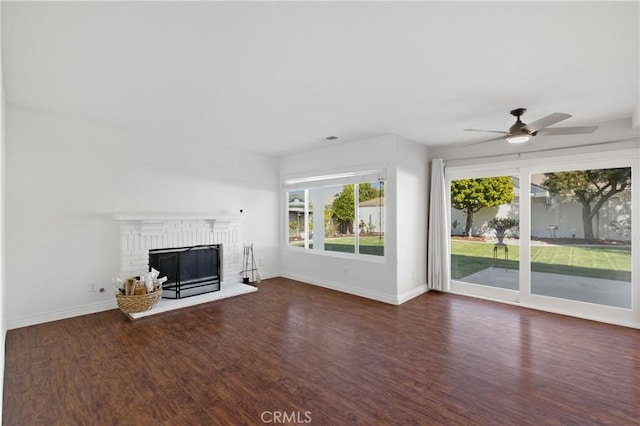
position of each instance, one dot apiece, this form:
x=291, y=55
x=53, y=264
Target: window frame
x=308, y=183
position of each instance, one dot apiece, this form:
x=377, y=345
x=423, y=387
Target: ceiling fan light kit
x=521, y=132
x=518, y=139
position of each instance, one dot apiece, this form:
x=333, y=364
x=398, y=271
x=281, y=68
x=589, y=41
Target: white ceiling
x=277, y=78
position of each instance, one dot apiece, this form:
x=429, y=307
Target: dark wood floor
x=296, y=352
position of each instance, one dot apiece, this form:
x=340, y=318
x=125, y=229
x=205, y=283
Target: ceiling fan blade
x=549, y=120
x=488, y=140
x=490, y=131
x=549, y=131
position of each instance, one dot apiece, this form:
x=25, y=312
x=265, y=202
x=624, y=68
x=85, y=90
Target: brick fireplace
x=141, y=233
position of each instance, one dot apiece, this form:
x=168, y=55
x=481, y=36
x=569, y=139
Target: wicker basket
x=139, y=303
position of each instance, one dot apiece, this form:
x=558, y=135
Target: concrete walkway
x=584, y=289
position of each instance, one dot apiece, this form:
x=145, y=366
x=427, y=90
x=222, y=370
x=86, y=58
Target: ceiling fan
x=521, y=132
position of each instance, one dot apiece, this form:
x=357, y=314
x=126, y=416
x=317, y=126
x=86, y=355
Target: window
x=337, y=214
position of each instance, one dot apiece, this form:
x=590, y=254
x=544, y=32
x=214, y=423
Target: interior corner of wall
x=407, y=295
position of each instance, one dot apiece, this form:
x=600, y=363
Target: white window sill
x=348, y=256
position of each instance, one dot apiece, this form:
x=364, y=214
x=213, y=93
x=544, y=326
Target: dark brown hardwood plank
x=298, y=350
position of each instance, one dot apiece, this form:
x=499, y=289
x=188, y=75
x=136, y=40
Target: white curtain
x=438, y=242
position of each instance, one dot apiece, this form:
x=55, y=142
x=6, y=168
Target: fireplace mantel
x=155, y=217
x=218, y=221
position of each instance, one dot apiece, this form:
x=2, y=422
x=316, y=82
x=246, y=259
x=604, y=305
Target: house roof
x=280, y=77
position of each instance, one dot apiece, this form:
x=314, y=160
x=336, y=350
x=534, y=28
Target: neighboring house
x=551, y=218
x=296, y=215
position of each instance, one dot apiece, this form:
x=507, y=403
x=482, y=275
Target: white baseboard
x=267, y=275
x=59, y=314
x=368, y=294
x=411, y=293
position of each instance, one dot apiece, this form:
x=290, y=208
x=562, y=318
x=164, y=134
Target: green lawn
x=368, y=245
x=593, y=261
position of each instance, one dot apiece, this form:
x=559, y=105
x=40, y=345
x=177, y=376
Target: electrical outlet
x=260, y=262
x=93, y=286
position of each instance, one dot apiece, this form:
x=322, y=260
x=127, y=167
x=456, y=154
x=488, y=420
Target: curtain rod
x=520, y=154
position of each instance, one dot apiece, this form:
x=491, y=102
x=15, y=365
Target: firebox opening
x=189, y=270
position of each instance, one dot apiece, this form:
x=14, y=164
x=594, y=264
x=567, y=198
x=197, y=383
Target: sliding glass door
x=565, y=241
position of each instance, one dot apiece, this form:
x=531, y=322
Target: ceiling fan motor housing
x=519, y=128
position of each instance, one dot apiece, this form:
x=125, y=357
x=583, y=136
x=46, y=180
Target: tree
x=592, y=188
x=366, y=191
x=470, y=195
x=343, y=207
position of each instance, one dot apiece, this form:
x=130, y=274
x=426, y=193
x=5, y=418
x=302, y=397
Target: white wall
x=412, y=212
x=405, y=221
x=67, y=177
